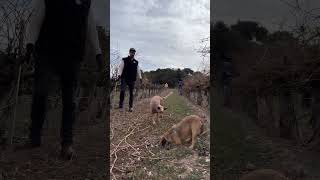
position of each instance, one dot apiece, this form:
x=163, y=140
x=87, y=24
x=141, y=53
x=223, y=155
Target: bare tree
x=307, y=22
x=307, y=30
x=204, y=51
x=114, y=62
x=14, y=17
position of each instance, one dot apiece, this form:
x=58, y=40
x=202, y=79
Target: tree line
x=168, y=75
x=274, y=75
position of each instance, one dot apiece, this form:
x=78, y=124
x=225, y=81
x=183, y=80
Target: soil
x=44, y=163
x=240, y=147
x=135, y=151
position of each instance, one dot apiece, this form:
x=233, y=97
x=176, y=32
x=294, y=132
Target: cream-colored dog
x=156, y=106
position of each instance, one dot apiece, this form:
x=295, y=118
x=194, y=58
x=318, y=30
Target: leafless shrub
x=14, y=17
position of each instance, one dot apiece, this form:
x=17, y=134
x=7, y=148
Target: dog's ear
x=163, y=141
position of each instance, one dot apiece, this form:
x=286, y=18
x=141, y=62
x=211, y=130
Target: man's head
x=132, y=52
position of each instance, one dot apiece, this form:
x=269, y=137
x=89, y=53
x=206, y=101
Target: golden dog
x=189, y=128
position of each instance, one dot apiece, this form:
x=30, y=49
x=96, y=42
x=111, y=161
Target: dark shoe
x=131, y=109
x=67, y=152
x=27, y=145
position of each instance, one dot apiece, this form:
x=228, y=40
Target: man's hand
x=99, y=61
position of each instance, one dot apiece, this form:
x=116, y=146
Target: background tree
x=168, y=75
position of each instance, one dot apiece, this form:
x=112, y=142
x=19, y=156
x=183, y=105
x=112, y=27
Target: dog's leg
x=153, y=121
x=195, y=134
x=193, y=142
x=158, y=117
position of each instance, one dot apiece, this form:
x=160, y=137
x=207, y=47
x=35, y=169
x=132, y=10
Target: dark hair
x=132, y=50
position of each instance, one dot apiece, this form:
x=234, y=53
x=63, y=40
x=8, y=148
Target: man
x=227, y=75
x=128, y=71
x=56, y=35
x=180, y=84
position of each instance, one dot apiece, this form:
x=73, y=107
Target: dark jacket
x=64, y=28
x=130, y=68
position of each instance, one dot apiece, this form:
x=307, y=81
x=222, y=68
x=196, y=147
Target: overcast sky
x=269, y=13
x=102, y=9
x=165, y=33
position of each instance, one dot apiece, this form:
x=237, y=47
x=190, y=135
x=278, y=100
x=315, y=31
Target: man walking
x=227, y=75
x=180, y=84
x=56, y=34
x=128, y=71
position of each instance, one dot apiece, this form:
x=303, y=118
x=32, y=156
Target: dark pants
x=227, y=91
x=180, y=90
x=67, y=71
x=124, y=84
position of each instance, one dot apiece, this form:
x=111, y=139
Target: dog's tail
x=167, y=95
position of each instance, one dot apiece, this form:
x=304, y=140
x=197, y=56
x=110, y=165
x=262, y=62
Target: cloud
x=165, y=33
x=102, y=12
x=270, y=13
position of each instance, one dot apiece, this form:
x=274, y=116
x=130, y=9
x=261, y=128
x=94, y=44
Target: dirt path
x=240, y=147
x=43, y=163
x=134, y=149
